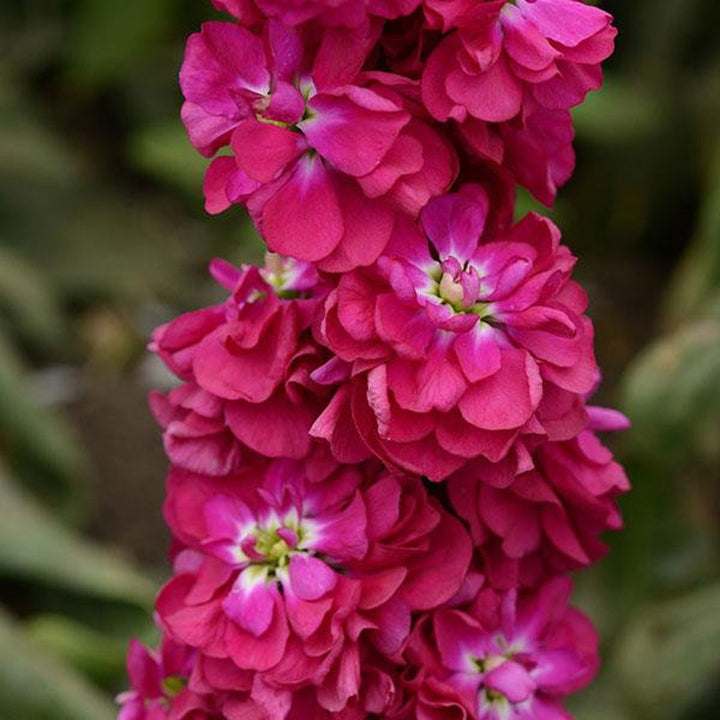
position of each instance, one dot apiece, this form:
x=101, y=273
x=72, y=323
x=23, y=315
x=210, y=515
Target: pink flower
x=509, y=71
x=247, y=365
x=501, y=658
x=243, y=694
x=535, y=146
x=458, y=345
x=295, y=580
x=348, y=13
x=156, y=678
x=547, y=519
x=323, y=157
x=403, y=334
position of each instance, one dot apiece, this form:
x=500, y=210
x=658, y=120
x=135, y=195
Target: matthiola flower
x=515, y=656
x=244, y=694
x=158, y=680
x=349, y=13
x=292, y=580
x=246, y=366
x=403, y=334
x=536, y=147
x=456, y=346
x=547, y=519
x=323, y=157
x=508, y=71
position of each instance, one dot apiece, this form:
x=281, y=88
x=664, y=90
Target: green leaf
x=36, y=437
x=672, y=394
x=35, y=546
x=27, y=298
x=620, y=113
x=107, y=44
x=97, y=655
x=35, y=686
x=698, y=276
x=164, y=152
x=600, y=701
x=670, y=653
x=114, y=248
x=31, y=152
x=525, y=203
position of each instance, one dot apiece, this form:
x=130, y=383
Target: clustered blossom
x=383, y=463
x=461, y=347
x=324, y=155
x=290, y=580
x=500, y=655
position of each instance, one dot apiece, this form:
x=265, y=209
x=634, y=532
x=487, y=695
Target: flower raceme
x=507, y=71
x=383, y=465
x=459, y=345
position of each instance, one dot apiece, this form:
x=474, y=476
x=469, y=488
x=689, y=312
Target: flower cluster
x=383, y=463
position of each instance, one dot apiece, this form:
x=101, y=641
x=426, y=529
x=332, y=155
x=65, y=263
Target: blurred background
x=103, y=236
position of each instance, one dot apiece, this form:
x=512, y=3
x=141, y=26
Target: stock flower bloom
x=157, y=680
x=500, y=52
x=546, y=520
x=509, y=657
x=456, y=346
x=348, y=13
x=291, y=579
x=536, y=147
x=403, y=334
x=246, y=366
x=323, y=156
x=508, y=71
x=243, y=694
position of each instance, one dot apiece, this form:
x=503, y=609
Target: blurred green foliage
x=103, y=235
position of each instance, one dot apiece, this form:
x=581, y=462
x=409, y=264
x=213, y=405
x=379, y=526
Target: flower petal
x=310, y=578
x=251, y=602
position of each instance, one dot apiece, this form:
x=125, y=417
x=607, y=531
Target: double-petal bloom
x=323, y=156
x=342, y=13
x=245, y=366
x=158, y=681
x=508, y=71
x=547, y=518
x=293, y=580
x=501, y=657
x=458, y=345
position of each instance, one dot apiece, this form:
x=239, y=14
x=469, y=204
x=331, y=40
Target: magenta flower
x=157, y=680
x=243, y=694
x=546, y=519
x=347, y=13
x=246, y=363
x=502, y=658
x=536, y=147
x=323, y=157
x=403, y=335
x=291, y=579
x=501, y=52
x=458, y=346
x=509, y=72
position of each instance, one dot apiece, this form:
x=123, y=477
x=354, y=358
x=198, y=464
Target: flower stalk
x=383, y=461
